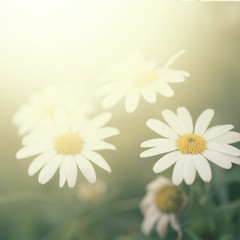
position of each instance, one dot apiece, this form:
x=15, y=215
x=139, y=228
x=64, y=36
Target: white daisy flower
x=65, y=143
x=30, y=115
x=135, y=77
x=189, y=146
x=161, y=205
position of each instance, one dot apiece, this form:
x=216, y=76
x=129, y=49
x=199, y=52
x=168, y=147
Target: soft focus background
x=51, y=42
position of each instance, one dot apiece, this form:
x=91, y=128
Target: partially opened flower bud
x=162, y=204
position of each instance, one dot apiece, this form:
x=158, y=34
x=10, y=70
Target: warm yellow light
x=40, y=7
x=56, y=41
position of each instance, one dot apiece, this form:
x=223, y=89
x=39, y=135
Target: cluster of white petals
x=153, y=215
x=30, y=114
x=67, y=143
x=60, y=135
x=135, y=77
x=190, y=147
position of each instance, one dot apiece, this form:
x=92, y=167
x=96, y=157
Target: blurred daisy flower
x=65, y=143
x=30, y=115
x=91, y=192
x=135, y=77
x=190, y=147
x=161, y=205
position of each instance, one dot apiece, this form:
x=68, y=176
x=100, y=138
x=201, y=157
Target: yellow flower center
x=69, y=144
x=168, y=199
x=191, y=144
x=50, y=109
x=144, y=78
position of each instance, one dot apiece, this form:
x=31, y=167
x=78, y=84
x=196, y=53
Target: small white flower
x=65, y=143
x=161, y=205
x=30, y=115
x=91, y=192
x=190, y=147
x=135, y=77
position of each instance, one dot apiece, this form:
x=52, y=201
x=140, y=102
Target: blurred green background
x=52, y=42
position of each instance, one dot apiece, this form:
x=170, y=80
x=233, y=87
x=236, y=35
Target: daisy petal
x=185, y=119
x=158, y=183
x=166, y=161
x=99, y=145
x=233, y=159
x=97, y=159
x=189, y=170
x=147, y=201
x=113, y=98
x=107, y=88
x=23, y=129
x=165, y=90
x=71, y=171
x=174, y=58
x=32, y=139
x=40, y=161
x=161, y=129
x=149, y=95
x=149, y=220
x=224, y=148
x=172, y=120
x=158, y=142
x=63, y=176
x=86, y=168
x=218, y=158
x=228, y=138
x=158, y=150
x=184, y=73
x=99, y=121
x=102, y=133
x=131, y=101
x=203, y=121
x=173, y=76
x=162, y=225
x=29, y=151
x=175, y=225
x=49, y=170
x=217, y=131
x=203, y=167
x=61, y=120
x=178, y=171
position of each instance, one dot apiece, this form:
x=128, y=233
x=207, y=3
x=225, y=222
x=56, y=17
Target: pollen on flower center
x=144, y=78
x=69, y=144
x=168, y=199
x=191, y=144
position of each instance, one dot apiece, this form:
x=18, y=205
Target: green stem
x=190, y=202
